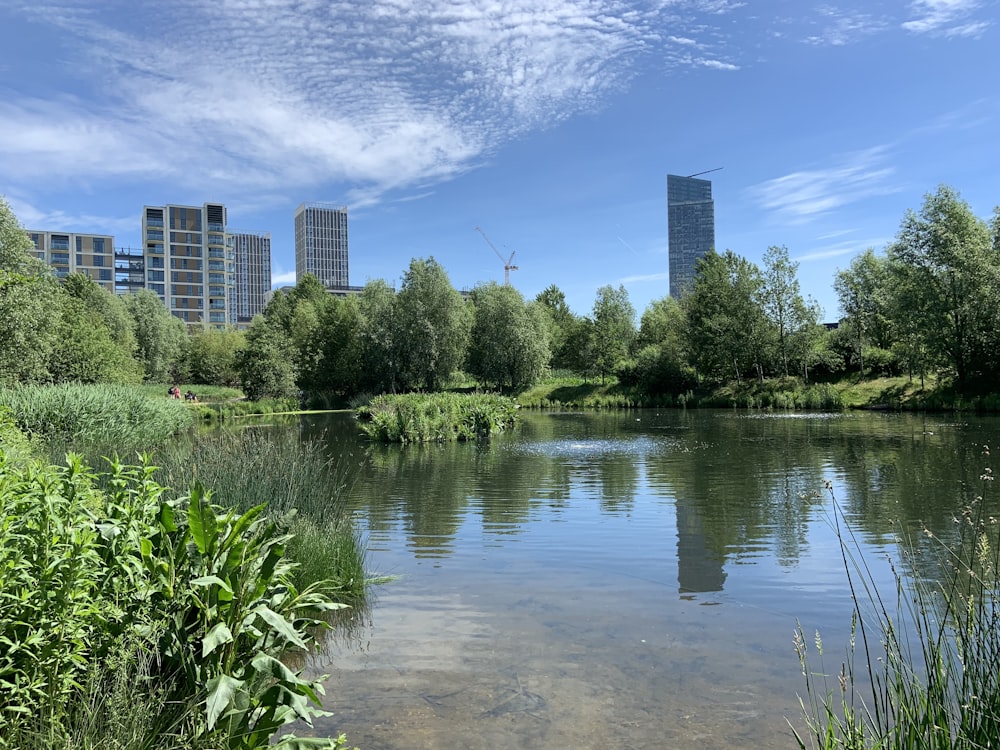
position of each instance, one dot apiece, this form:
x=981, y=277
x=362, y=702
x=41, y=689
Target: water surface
x=626, y=579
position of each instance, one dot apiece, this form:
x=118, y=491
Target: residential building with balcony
x=189, y=262
x=72, y=252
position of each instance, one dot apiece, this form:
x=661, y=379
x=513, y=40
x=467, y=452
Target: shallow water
x=626, y=579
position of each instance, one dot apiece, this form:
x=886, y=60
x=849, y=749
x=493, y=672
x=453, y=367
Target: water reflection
x=553, y=581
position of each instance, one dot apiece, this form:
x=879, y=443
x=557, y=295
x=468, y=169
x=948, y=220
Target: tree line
x=927, y=304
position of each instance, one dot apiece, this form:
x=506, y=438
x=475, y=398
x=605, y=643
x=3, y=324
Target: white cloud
x=946, y=17
x=282, y=279
x=800, y=196
x=380, y=95
x=840, y=27
x=643, y=278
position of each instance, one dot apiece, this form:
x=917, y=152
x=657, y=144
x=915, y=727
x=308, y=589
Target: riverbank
x=881, y=394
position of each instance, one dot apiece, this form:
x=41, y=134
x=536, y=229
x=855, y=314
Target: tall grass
x=249, y=467
x=430, y=417
x=108, y=415
x=923, y=668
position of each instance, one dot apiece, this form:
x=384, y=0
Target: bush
x=422, y=418
x=206, y=593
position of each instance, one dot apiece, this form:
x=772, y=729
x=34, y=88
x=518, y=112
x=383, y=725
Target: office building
x=188, y=262
x=321, y=243
x=252, y=258
x=70, y=252
x=690, y=228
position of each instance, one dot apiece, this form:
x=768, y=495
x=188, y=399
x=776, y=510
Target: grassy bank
x=422, y=418
x=893, y=394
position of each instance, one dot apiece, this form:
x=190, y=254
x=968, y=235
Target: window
x=104, y=274
x=98, y=245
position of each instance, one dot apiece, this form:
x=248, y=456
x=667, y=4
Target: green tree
x=864, y=294
x=379, y=339
x=727, y=329
x=661, y=362
x=560, y=324
x=161, y=338
x=213, y=354
x=508, y=346
x=265, y=362
x=581, y=348
x=791, y=319
x=29, y=310
x=88, y=351
x=614, y=329
x=340, y=370
x=946, y=285
x=433, y=325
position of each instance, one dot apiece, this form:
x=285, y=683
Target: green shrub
x=422, y=418
x=206, y=592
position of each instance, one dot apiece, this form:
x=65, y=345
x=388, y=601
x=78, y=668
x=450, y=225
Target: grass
x=248, y=467
x=107, y=415
x=430, y=417
x=923, y=668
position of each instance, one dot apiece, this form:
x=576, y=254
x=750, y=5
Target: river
x=627, y=579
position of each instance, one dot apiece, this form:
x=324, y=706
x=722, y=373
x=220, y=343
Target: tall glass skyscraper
x=321, y=243
x=690, y=228
x=252, y=251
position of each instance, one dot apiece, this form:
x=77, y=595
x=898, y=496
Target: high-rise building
x=321, y=243
x=188, y=262
x=690, y=228
x=69, y=252
x=252, y=253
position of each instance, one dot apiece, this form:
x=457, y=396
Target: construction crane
x=507, y=267
x=706, y=171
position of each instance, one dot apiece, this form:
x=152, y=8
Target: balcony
x=215, y=227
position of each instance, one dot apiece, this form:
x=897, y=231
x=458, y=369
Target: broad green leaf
x=201, y=518
x=281, y=626
x=210, y=580
x=221, y=690
x=215, y=637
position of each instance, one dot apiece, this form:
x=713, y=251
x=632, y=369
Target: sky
x=549, y=124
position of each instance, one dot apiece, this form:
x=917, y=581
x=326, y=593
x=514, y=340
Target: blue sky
x=551, y=124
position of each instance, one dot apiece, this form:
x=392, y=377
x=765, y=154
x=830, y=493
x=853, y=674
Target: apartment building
x=188, y=261
x=252, y=265
x=321, y=243
x=72, y=252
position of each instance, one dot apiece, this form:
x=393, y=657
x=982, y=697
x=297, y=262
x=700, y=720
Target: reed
x=248, y=467
x=123, y=417
x=923, y=667
x=424, y=418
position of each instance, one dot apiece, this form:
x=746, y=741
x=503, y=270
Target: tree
x=560, y=323
x=783, y=305
x=433, y=326
x=946, y=285
x=213, y=355
x=88, y=351
x=508, y=346
x=864, y=294
x=29, y=310
x=661, y=362
x=581, y=356
x=378, y=339
x=339, y=333
x=726, y=328
x=265, y=363
x=614, y=328
x=161, y=338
